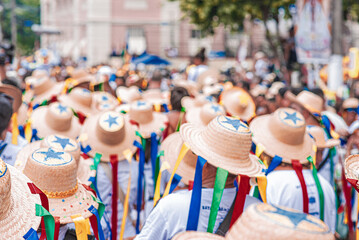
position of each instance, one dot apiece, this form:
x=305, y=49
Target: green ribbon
x=219, y=184
x=143, y=140
x=158, y=165
x=183, y=110
x=49, y=221
x=319, y=187
x=101, y=207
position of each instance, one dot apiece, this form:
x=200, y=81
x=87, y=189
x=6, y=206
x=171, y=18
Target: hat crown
x=288, y=126
x=104, y=101
x=111, y=127
x=59, y=117
x=52, y=170
x=311, y=100
x=141, y=112
x=232, y=134
x=209, y=111
x=318, y=134
x=128, y=95
x=41, y=84
x=82, y=96
x=62, y=143
x=351, y=103
x=5, y=189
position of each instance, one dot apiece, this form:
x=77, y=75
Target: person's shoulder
x=176, y=199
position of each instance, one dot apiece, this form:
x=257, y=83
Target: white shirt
x=9, y=153
x=325, y=170
x=284, y=189
x=21, y=142
x=105, y=189
x=170, y=216
x=195, y=71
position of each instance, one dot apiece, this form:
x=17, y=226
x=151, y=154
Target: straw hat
x=55, y=118
x=283, y=133
x=274, y=89
x=123, y=108
x=55, y=173
x=15, y=93
x=104, y=101
x=263, y=221
x=238, y=103
x=61, y=143
x=190, y=86
x=310, y=101
x=155, y=96
x=232, y=154
x=80, y=99
x=42, y=88
x=351, y=167
x=318, y=134
x=214, y=89
x=109, y=133
x=192, y=235
x=351, y=103
x=198, y=101
x=149, y=121
x=208, y=77
x=201, y=116
x=172, y=147
x=259, y=90
x=17, y=204
x=128, y=95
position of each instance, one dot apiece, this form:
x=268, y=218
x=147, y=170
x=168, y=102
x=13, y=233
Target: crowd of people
x=131, y=153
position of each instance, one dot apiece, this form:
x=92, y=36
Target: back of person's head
x=318, y=91
x=201, y=55
x=282, y=91
x=5, y=111
x=11, y=81
x=177, y=93
x=156, y=76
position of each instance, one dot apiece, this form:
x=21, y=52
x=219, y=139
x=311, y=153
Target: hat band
x=63, y=194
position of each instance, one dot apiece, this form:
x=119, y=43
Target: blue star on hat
x=216, y=108
x=293, y=117
x=236, y=123
x=62, y=108
x=63, y=142
x=294, y=217
x=140, y=103
x=52, y=154
x=104, y=98
x=111, y=120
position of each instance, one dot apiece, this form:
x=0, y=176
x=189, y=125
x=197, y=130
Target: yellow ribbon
x=356, y=227
x=28, y=130
x=80, y=226
x=165, y=166
x=157, y=107
x=315, y=149
x=15, y=129
x=262, y=187
x=184, y=150
x=259, y=150
x=66, y=85
x=128, y=155
x=119, y=100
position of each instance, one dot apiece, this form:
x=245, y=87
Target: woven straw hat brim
x=13, y=92
x=84, y=171
x=43, y=130
x=54, y=91
x=192, y=135
x=88, y=111
x=291, y=97
x=21, y=217
x=193, y=115
x=158, y=123
x=351, y=166
x=261, y=134
x=192, y=235
x=227, y=100
x=330, y=143
x=22, y=115
x=78, y=203
x=97, y=146
x=172, y=147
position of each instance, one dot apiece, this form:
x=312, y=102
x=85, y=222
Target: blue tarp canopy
x=149, y=59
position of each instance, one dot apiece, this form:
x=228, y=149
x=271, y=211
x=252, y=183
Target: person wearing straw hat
x=171, y=214
x=286, y=147
x=202, y=116
x=264, y=221
x=175, y=116
x=17, y=204
x=325, y=163
x=350, y=110
x=54, y=172
x=111, y=133
x=80, y=100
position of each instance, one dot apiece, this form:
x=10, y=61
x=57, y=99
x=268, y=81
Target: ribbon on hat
x=86, y=149
x=175, y=181
x=140, y=182
x=298, y=170
x=114, y=164
x=165, y=107
x=81, y=116
x=184, y=150
x=154, y=151
x=219, y=184
x=31, y=235
x=49, y=221
x=15, y=128
x=34, y=136
x=195, y=205
x=28, y=130
x=81, y=227
x=243, y=190
x=157, y=107
x=276, y=161
x=319, y=187
x=180, y=119
x=157, y=168
x=95, y=220
x=262, y=186
x=128, y=155
x=22, y=131
x=165, y=166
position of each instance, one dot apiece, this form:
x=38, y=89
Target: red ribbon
x=44, y=203
x=190, y=185
x=85, y=156
x=53, y=99
x=57, y=228
x=347, y=196
x=82, y=117
x=298, y=170
x=165, y=132
x=133, y=122
x=89, y=189
x=243, y=190
x=93, y=221
x=114, y=163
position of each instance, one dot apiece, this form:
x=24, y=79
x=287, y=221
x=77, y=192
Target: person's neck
x=3, y=135
x=154, y=85
x=312, y=121
x=208, y=182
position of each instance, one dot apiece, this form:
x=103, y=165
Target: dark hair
x=156, y=76
x=5, y=111
x=177, y=93
x=282, y=91
x=201, y=54
x=318, y=91
x=11, y=81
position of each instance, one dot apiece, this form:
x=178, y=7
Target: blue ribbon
x=34, y=136
x=36, y=106
x=21, y=131
x=165, y=107
x=276, y=161
x=31, y=235
x=141, y=167
x=85, y=149
x=94, y=211
x=326, y=123
x=175, y=181
x=253, y=148
x=195, y=206
x=154, y=152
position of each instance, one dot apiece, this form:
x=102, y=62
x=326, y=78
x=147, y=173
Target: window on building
x=136, y=40
x=196, y=34
x=136, y=4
